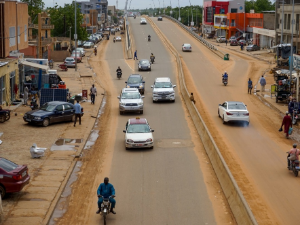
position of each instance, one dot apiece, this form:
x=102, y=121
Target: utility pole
x=40, y=55
x=292, y=48
x=75, y=35
x=70, y=38
x=282, y=22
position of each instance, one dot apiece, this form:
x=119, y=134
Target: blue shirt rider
x=106, y=190
x=225, y=75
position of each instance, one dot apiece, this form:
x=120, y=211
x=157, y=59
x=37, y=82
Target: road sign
x=179, y=18
x=75, y=36
x=192, y=23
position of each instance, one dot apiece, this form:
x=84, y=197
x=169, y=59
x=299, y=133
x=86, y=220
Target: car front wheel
x=46, y=122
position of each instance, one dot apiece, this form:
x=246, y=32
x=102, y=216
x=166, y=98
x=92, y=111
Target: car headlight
x=129, y=141
x=149, y=140
x=140, y=103
x=37, y=118
x=128, y=86
x=141, y=86
x=149, y=66
x=139, y=66
x=123, y=103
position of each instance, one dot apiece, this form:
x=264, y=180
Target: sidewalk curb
x=272, y=106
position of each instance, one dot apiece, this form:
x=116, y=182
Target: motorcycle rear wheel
x=295, y=171
x=104, y=219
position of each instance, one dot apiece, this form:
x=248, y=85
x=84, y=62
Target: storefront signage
x=265, y=32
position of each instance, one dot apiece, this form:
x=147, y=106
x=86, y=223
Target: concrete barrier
x=239, y=206
x=128, y=47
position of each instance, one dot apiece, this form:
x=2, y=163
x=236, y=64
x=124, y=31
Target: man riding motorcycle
x=106, y=190
x=149, y=37
x=225, y=76
x=152, y=57
x=295, y=151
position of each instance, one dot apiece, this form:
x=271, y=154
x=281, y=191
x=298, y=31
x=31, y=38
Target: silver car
x=221, y=39
x=70, y=62
x=186, y=47
x=144, y=64
x=131, y=100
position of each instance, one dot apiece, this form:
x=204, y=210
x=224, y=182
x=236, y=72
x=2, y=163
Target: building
x=13, y=38
x=284, y=25
x=100, y=6
x=112, y=10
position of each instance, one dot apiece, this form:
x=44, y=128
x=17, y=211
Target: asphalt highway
x=164, y=185
x=257, y=149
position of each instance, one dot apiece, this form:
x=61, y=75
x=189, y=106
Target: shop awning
x=35, y=65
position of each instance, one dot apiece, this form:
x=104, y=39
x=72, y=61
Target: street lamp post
x=179, y=18
x=188, y=17
x=75, y=35
x=292, y=37
x=282, y=21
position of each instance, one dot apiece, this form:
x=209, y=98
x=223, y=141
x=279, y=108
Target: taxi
x=138, y=134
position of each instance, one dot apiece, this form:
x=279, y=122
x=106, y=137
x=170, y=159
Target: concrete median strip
x=239, y=206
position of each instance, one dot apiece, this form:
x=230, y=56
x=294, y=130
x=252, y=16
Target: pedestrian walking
x=226, y=41
x=242, y=46
x=26, y=95
x=93, y=91
x=135, y=55
x=192, y=98
x=77, y=107
x=250, y=86
x=287, y=123
x=262, y=83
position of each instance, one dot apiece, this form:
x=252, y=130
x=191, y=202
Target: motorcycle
x=114, y=40
x=105, y=208
x=225, y=81
x=294, y=166
x=119, y=75
x=149, y=38
x=33, y=104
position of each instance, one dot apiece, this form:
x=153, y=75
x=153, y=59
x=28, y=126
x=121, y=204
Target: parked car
x=88, y=45
x=221, y=39
x=136, y=81
x=252, y=48
x=233, y=42
x=233, y=111
x=131, y=100
x=186, y=47
x=78, y=56
x=138, y=134
x=242, y=41
x=159, y=18
x=82, y=51
x=78, y=53
x=51, y=112
x=163, y=90
x=209, y=36
x=144, y=64
x=13, y=177
x=232, y=38
x=70, y=62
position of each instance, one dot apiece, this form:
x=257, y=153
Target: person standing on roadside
x=226, y=41
x=26, y=95
x=287, y=122
x=93, y=91
x=192, y=98
x=77, y=107
x=135, y=55
x=250, y=86
x=262, y=83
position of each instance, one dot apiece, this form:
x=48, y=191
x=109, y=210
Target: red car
x=13, y=177
x=78, y=57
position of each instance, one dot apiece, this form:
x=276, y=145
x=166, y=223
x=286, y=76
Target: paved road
x=260, y=151
x=164, y=185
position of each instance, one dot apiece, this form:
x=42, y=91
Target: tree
x=34, y=8
x=63, y=18
x=259, y=6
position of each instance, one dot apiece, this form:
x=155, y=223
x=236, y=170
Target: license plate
x=163, y=96
x=139, y=144
x=28, y=120
x=24, y=174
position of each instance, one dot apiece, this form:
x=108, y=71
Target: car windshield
x=134, y=80
x=69, y=59
x=7, y=165
x=138, y=128
x=144, y=62
x=237, y=106
x=47, y=107
x=163, y=85
x=131, y=95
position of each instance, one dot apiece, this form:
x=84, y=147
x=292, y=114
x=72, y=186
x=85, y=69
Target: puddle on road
x=92, y=139
x=65, y=144
x=62, y=205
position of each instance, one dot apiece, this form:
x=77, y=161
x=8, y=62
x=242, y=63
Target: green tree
x=259, y=5
x=60, y=14
x=34, y=8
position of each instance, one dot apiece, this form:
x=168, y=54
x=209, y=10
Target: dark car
x=233, y=42
x=51, y=112
x=159, y=18
x=13, y=177
x=252, y=48
x=136, y=81
x=144, y=64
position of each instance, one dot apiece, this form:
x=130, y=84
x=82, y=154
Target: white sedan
x=143, y=21
x=186, y=47
x=118, y=38
x=138, y=134
x=233, y=111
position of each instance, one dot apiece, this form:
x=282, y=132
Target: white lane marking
x=129, y=65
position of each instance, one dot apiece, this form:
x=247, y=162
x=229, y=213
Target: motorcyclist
x=106, y=190
x=295, y=151
x=225, y=76
x=114, y=39
x=152, y=57
x=291, y=106
x=119, y=70
x=149, y=37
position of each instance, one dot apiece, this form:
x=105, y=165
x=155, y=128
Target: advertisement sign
x=84, y=94
x=192, y=23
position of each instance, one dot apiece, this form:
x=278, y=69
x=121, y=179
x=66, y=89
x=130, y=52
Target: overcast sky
x=135, y=4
